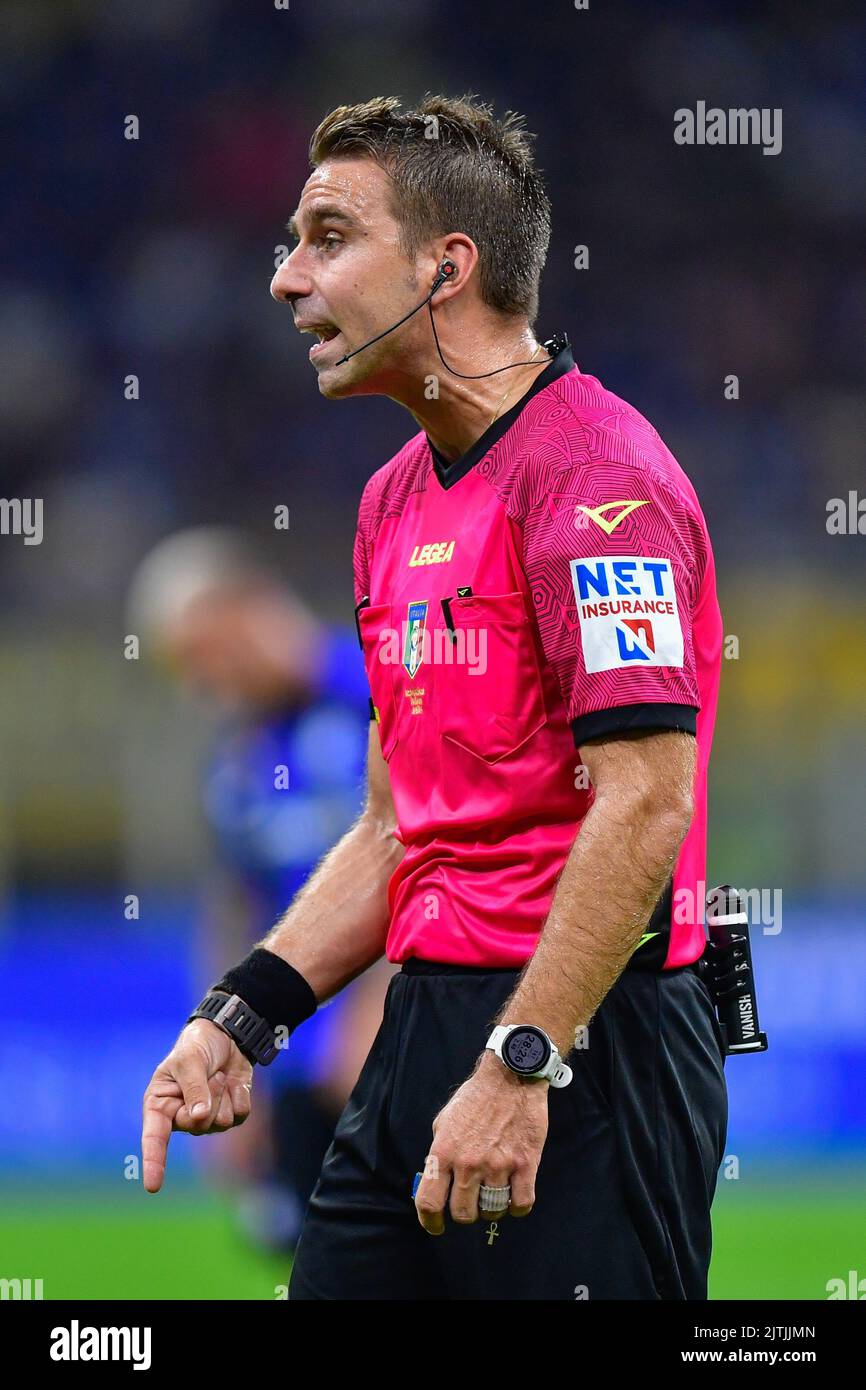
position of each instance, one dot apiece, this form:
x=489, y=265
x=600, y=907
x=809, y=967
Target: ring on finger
x=494, y=1199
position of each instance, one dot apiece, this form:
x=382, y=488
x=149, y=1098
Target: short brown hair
x=477, y=176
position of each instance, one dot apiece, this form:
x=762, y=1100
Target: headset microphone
x=447, y=269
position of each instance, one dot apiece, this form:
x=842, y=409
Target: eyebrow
x=322, y=212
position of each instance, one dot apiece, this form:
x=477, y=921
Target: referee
x=535, y=598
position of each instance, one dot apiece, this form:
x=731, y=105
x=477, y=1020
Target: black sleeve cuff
x=603, y=723
x=276, y=990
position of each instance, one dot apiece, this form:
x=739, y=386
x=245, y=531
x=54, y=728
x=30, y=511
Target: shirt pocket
x=490, y=697
x=374, y=625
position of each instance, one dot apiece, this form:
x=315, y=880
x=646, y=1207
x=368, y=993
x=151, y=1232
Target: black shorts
x=627, y=1173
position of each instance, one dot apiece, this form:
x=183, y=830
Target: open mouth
x=326, y=333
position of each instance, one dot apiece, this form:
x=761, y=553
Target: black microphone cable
x=440, y=280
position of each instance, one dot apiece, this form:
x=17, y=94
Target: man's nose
x=288, y=283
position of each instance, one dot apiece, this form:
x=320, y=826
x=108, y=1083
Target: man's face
x=348, y=279
x=244, y=648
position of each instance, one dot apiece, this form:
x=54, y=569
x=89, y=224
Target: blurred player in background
x=283, y=783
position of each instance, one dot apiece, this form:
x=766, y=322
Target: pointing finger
x=159, y=1114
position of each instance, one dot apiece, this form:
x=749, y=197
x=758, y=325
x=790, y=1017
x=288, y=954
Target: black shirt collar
x=562, y=361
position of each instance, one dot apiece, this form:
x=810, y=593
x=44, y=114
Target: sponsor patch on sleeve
x=627, y=607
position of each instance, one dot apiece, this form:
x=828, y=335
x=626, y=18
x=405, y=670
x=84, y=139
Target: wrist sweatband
x=272, y=987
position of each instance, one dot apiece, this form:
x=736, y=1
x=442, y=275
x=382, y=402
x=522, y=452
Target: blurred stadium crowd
x=152, y=257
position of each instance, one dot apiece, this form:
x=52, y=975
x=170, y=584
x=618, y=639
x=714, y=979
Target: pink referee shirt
x=556, y=584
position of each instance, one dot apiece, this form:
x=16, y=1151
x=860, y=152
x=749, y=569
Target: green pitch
x=169, y=1246
x=787, y=1240
x=771, y=1241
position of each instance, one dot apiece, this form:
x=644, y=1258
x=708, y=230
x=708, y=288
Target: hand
x=203, y=1086
x=491, y=1131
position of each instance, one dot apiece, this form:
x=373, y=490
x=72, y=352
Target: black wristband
x=275, y=989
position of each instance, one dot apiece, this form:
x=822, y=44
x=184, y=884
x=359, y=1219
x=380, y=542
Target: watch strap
x=253, y=1034
x=561, y=1073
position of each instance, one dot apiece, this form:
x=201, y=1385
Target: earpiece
x=447, y=269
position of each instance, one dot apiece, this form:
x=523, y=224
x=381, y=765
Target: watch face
x=526, y=1050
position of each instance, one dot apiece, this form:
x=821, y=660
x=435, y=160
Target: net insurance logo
x=627, y=606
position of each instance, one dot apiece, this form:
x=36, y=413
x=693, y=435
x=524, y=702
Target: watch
x=253, y=1034
x=529, y=1052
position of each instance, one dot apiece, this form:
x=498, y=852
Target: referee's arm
x=334, y=930
x=614, y=875
x=494, y=1127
